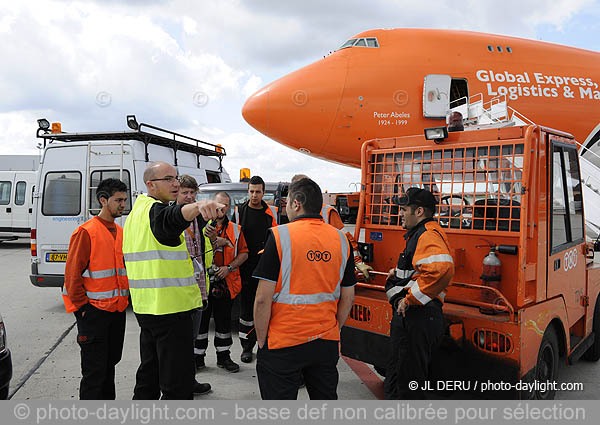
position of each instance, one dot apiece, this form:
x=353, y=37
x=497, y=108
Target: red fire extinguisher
x=490, y=276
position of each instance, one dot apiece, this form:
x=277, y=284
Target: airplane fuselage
x=329, y=108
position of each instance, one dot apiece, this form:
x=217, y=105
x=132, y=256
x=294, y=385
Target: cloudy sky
x=190, y=65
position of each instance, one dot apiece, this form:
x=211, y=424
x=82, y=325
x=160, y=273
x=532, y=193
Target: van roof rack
x=169, y=139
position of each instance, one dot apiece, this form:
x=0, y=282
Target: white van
x=72, y=166
x=16, y=202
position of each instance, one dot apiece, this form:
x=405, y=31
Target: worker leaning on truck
x=97, y=291
x=415, y=289
x=332, y=216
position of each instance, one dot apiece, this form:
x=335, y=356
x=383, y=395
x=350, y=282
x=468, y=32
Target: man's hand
x=208, y=209
x=363, y=268
x=223, y=272
x=221, y=242
x=402, y=306
x=210, y=232
x=391, y=273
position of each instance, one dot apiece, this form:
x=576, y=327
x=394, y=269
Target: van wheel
x=593, y=353
x=546, y=368
x=380, y=370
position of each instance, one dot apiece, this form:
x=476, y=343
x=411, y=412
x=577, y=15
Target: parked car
x=5, y=363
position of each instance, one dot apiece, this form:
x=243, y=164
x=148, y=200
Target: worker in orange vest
x=97, y=291
x=305, y=292
x=332, y=216
x=225, y=284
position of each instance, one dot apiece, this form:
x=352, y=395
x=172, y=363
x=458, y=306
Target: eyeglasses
x=168, y=179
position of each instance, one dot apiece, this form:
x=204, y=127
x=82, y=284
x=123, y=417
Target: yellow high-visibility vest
x=161, y=277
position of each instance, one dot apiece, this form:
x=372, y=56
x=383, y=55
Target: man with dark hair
x=415, y=289
x=255, y=218
x=225, y=284
x=304, y=296
x=97, y=291
x=164, y=291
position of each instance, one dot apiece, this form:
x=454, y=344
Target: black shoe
x=201, y=388
x=229, y=365
x=199, y=360
x=246, y=356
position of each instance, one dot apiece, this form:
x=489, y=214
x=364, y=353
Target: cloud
x=274, y=162
x=191, y=65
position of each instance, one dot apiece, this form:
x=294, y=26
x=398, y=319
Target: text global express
x=539, y=85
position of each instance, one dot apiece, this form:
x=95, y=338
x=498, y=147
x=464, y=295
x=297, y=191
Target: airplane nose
x=256, y=111
x=299, y=109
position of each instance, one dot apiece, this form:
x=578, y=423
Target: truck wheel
x=593, y=353
x=380, y=370
x=546, y=368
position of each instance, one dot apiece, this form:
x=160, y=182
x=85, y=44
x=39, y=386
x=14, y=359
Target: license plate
x=56, y=257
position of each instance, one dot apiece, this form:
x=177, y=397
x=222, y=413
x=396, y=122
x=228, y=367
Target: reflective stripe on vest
x=156, y=255
x=236, y=234
x=273, y=213
x=325, y=212
x=284, y=297
x=99, y=274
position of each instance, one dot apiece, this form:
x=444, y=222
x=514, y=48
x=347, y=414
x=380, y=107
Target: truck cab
x=514, y=190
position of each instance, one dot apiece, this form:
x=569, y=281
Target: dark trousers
x=167, y=357
x=246, y=329
x=220, y=309
x=100, y=336
x=413, y=339
x=280, y=371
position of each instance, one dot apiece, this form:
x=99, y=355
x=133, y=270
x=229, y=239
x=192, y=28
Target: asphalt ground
x=46, y=363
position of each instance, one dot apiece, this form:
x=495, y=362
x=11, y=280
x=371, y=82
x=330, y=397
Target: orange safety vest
x=105, y=279
x=313, y=257
x=233, y=279
x=270, y=211
x=326, y=212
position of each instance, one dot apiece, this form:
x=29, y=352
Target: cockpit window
x=348, y=43
x=372, y=42
x=360, y=42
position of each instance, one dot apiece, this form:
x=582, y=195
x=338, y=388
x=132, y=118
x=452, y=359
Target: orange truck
x=512, y=194
x=346, y=203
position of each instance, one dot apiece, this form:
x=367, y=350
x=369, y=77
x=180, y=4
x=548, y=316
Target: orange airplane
x=396, y=82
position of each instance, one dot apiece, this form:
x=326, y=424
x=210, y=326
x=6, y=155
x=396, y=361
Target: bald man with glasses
x=163, y=288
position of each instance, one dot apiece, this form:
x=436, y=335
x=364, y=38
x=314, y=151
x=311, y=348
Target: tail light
x=33, y=243
x=492, y=341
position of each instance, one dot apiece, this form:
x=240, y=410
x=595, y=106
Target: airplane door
x=436, y=96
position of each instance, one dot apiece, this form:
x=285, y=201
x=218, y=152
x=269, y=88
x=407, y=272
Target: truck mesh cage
x=478, y=188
